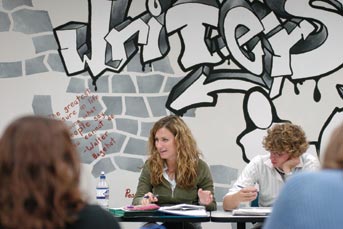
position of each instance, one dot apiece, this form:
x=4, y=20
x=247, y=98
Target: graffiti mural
x=270, y=42
x=230, y=68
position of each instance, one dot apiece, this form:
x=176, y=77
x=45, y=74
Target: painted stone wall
x=110, y=69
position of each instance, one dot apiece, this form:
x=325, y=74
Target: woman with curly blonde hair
x=286, y=144
x=39, y=179
x=174, y=171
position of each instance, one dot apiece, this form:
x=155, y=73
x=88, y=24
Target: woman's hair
x=286, y=137
x=187, y=152
x=39, y=175
x=333, y=155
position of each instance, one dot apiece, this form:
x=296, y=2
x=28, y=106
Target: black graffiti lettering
x=269, y=40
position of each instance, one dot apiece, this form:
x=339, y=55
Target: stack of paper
x=184, y=209
x=258, y=211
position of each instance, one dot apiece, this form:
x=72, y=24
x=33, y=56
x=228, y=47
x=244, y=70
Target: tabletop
x=156, y=216
x=214, y=216
x=241, y=220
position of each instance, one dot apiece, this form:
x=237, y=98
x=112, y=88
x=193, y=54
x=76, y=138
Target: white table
x=227, y=217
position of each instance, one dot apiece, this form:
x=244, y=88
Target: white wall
x=215, y=127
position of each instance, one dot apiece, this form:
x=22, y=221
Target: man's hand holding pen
x=247, y=194
x=149, y=198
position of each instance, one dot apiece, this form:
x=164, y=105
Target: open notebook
x=258, y=211
x=184, y=209
x=153, y=209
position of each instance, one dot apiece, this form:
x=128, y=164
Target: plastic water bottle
x=103, y=191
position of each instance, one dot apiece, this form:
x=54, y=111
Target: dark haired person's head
x=39, y=174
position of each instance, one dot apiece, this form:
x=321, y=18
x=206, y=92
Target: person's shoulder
x=94, y=216
x=95, y=210
x=146, y=165
x=325, y=175
x=310, y=160
x=91, y=208
x=260, y=158
x=301, y=182
x=308, y=156
x=305, y=175
x=309, y=177
x=313, y=180
x=202, y=164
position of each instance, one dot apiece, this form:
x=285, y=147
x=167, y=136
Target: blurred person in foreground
x=39, y=179
x=287, y=145
x=314, y=199
x=174, y=170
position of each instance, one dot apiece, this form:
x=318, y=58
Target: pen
x=240, y=186
x=147, y=197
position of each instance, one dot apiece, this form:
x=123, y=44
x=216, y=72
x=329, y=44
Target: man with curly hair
x=313, y=199
x=265, y=175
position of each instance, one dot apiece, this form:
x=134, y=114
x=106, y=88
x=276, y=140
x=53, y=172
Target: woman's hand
x=205, y=197
x=149, y=198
